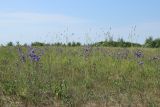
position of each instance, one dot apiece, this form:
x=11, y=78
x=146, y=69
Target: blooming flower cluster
x=138, y=54
x=31, y=53
x=33, y=56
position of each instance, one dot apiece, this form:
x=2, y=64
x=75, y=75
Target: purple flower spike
x=33, y=56
x=32, y=53
x=138, y=54
x=21, y=55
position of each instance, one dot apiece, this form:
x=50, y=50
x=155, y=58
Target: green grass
x=66, y=77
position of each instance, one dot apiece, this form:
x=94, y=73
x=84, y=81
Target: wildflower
x=138, y=54
x=21, y=55
x=156, y=58
x=33, y=55
x=87, y=51
x=140, y=63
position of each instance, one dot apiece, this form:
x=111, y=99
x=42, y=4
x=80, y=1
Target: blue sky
x=78, y=20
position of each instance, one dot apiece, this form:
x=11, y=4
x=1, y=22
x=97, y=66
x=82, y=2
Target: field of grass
x=80, y=77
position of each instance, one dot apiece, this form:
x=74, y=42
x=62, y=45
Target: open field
x=79, y=77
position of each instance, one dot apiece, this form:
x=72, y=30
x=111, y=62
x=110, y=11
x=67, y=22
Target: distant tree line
x=152, y=43
x=119, y=43
x=56, y=44
x=72, y=44
x=149, y=43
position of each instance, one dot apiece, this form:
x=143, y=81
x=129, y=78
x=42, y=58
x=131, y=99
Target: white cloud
x=32, y=18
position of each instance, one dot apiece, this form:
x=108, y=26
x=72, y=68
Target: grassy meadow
x=81, y=76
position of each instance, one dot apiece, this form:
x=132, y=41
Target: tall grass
x=80, y=76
